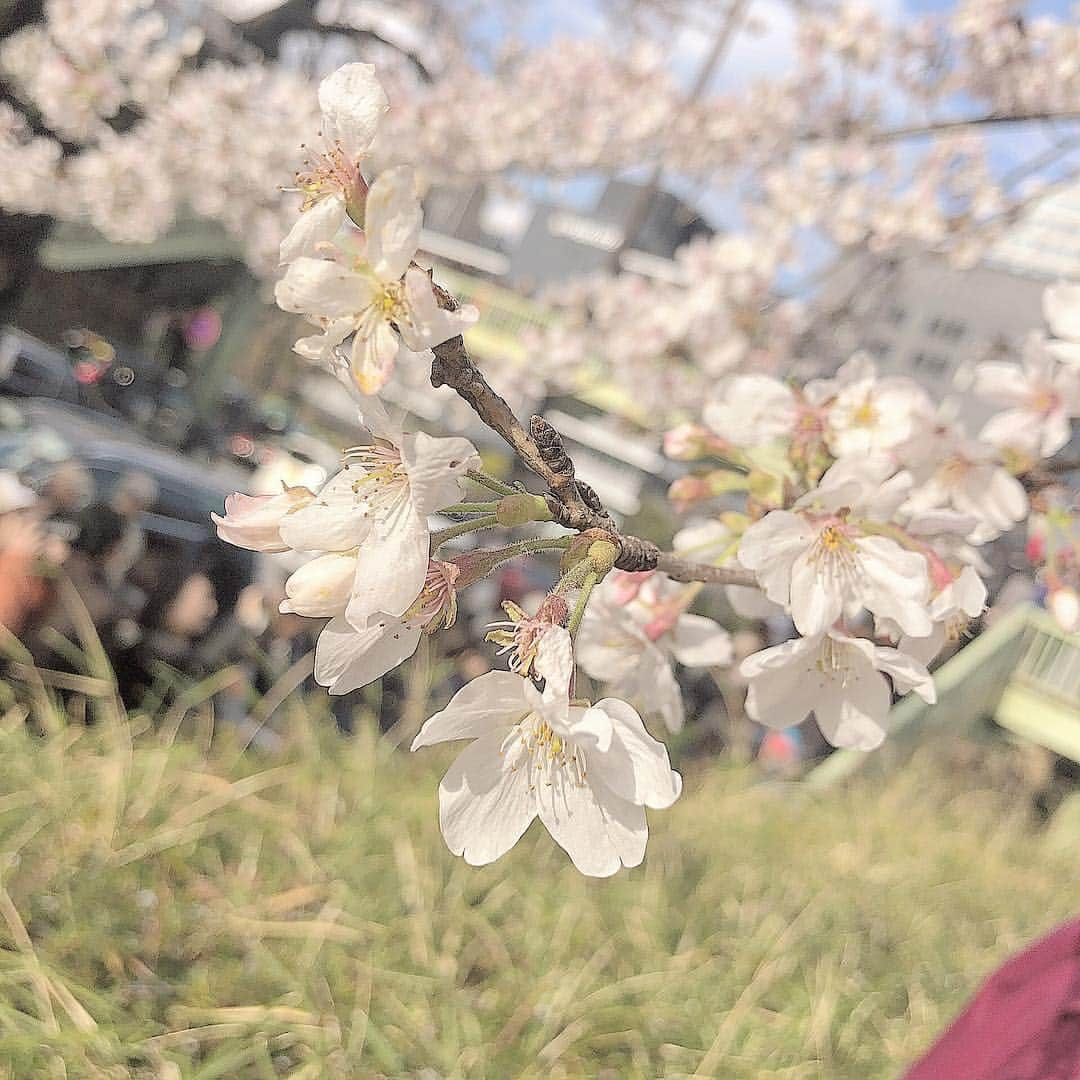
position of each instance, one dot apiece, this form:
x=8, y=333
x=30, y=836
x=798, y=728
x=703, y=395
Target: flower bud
x=602, y=556
x=321, y=587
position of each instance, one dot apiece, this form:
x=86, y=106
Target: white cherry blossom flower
x=631, y=642
x=347, y=658
x=838, y=678
x=954, y=606
x=380, y=298
x=587, y=771
x=954, y=472
x=352, y=103
x=1044, y=396
x=254, y=521
x=872, y=414
x=825, y=557
x=752, y=409
x=378, y=506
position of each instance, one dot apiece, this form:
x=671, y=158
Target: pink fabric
x=1024, y=1024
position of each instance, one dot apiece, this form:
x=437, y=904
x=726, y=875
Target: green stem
x=587, y=586
x=527, y=547
x=488, y=521
x=491, y=483
x=470, y=508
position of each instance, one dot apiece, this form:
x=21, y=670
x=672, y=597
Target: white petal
x=607, y=648
x=636, y=766
x=699, y=642
x=493, y=700
x=352, y=103
x=321, y=587
x=392, y=219
x=316, y=225
x=484, y=806
x=322, y=288
x=392, y=566
x=437, y=469
x=1061, y=308
x=770, y=547
x=852, y=715
x=374, y=352
x=347, y=658
x=339, y=519
x=906, y=671
x=924, y=649
x=428, y=324
x=817, y=596
x=579, y=825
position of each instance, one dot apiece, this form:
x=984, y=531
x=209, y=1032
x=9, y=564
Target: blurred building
x=530, y=244
x=921, y=316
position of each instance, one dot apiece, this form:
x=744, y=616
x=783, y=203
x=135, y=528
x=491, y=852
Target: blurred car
x=39, y=434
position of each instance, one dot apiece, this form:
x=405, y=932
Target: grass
x=174, y=907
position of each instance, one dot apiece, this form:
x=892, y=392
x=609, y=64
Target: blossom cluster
x=164, y=127
x=862, y=510
x=867, y=506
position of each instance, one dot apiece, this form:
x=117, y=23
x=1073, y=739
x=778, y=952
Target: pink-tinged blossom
x=959, y=601
x=838, y=678
x=254, y=521
x=587, y=771
x=378, y=507
x=352, y=102
x=1042, y=395
x=634, y=630
x=826, y=556
x=386, y=303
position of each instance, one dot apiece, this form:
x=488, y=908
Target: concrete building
x=530, y=245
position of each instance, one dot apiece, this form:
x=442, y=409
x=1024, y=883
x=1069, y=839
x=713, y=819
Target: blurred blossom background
x=209, y=867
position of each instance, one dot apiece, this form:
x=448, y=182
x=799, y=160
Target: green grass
x=177, y=908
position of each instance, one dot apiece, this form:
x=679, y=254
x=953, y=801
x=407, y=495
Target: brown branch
x=573, y=504
x=914, y=131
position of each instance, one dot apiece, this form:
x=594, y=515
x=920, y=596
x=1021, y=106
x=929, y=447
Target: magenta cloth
x=1024, y=1024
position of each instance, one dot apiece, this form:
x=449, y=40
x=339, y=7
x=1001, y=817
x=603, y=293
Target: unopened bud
x=686, y=442
x=688, y=490
x=602, y=556
x=520, y=509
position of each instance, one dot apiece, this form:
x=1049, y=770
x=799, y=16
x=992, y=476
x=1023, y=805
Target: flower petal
x=437, y=469
x=316, y=225
x=636, y=767
x=392, y=219
x=352, y=102
x=493, y=700
x=392, y=566
x=699, y=642
x=484, y=805
x=347, y=658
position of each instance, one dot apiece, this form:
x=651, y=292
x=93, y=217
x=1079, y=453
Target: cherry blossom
x=587, y=771
x=1044, y=396
x=379, y=297
x=374, y=513
x=629, y=641
x=837, y=677
x=823, y=558
x=352, y=101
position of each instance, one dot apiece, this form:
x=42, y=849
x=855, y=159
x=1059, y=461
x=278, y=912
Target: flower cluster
x=866, y=508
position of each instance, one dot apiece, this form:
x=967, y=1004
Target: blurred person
x=179, y=612
x=22, y=544
x=135, y=494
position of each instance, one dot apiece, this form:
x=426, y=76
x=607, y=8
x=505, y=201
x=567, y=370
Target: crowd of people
x=165, y=614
